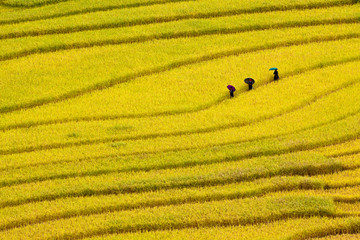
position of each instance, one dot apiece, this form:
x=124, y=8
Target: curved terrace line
x=210, y=161
x=179, y=133
x=122, y=207
x=170, y=66
x=254, y=154
x=167, y=166
x=90, y=10
x=306, y=170
x=327, y=231
x=167, y=36
x=187, y=225
x=152, y=20
x=258, y=192
x=349, y=153
x=33, y=5
x=293, y=172
x=168, y=113
x=182, y=17
x=149, y=38
x=185, y=164
x=348, y=228
x=202, y=224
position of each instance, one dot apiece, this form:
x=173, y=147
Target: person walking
x=231, y=93
x=250, y=82
x=232, y=90
x=276, y=75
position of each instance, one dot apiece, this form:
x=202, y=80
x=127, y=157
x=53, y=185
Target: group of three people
x=250, y=82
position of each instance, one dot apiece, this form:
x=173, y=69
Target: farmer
x=276, y=75
x=231, y=93
x=250, y=82
x=232, y=90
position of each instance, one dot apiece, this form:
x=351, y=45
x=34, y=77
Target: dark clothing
x=231, y=93
x=276, y=75
x=250, y=82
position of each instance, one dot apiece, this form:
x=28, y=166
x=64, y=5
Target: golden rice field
x=116, y=121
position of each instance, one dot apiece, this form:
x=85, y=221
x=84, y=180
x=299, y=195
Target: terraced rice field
x=116, y=123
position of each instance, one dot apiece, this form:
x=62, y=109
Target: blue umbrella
x=272, y=69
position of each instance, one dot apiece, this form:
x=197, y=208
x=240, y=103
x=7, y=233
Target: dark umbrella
x=271, y=69
x=231, y=88
x=249, y=81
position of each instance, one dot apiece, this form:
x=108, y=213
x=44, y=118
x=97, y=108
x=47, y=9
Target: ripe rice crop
x=352, y=208
x=133, y=67
x=155, y=11
x=352, y=147
x=142, y=181
x=79, y=103
x=43, y=211
x=344, y=178
x=340, y=237
x=132, y=130
x=302, y=140
x=341, y=195
x=245, y=211
x=301, y=228
x=44, y=9
x=116, y=121
x=12, y=48
x=41, y=173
